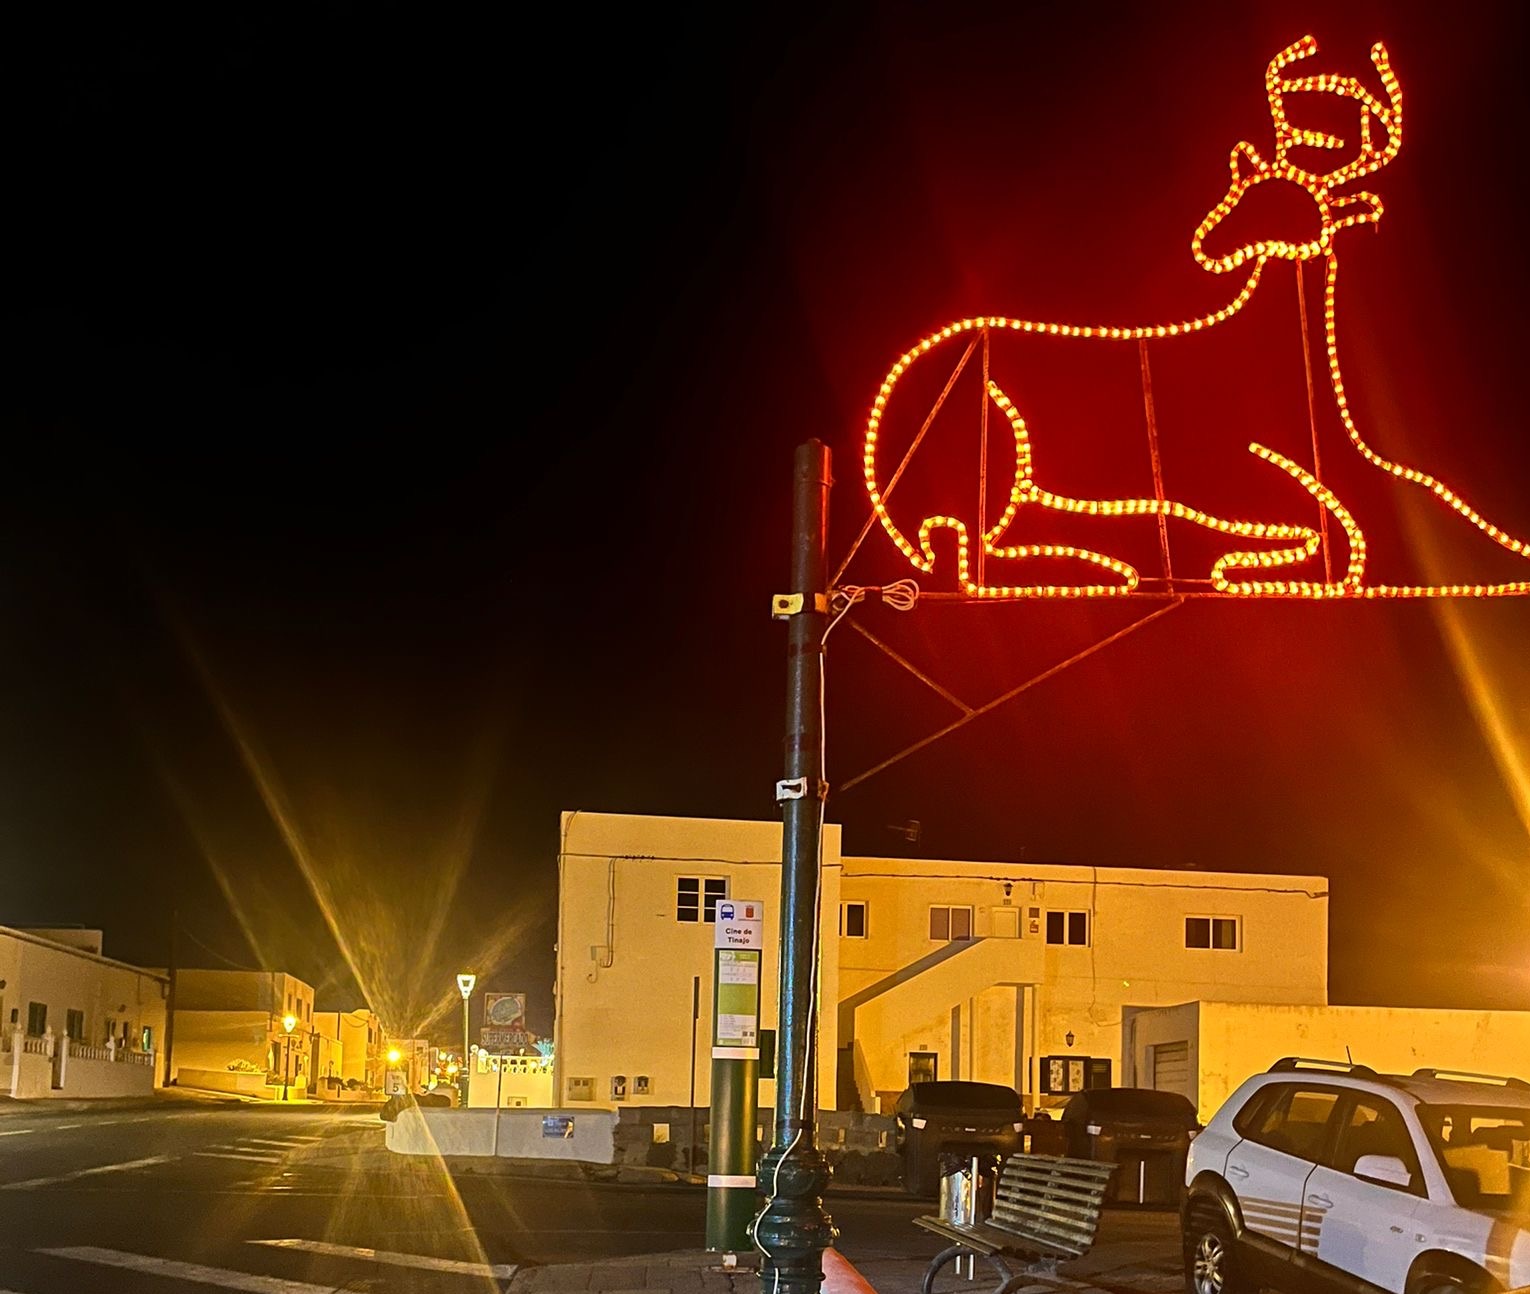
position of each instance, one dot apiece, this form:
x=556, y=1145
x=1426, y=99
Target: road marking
x=501, y=1271
x=219, y=1276
x=18, y=1132
x=245, y=1155
x=65, y=1127
x=274, y=1141
x=85, y=1172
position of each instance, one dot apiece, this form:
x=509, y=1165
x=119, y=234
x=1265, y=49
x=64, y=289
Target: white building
x=1015, y=973
x=75, y=1023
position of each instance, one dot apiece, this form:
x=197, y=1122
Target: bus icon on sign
x=725, y=911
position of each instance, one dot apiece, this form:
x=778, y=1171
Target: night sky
x=399, y=415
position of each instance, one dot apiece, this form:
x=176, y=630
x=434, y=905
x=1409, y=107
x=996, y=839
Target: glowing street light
x=289, y=1023
x=394, y=1055
x=465, y=983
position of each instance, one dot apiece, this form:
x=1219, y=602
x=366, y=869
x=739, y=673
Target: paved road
x=264, y=1200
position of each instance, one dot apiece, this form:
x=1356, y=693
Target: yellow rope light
x=1336, y=212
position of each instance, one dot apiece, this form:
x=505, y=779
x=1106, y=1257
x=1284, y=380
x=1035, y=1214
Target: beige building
x=361, y=1054
x=1015, y=973
x=229, y=1022
x=73, y=1022
x=1206, y=1049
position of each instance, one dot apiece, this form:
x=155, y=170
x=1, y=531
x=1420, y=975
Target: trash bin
x=966, y=1187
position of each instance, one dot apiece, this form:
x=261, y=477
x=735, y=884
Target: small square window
x=1068, y=928
x=949, y=924
x=1212, y=932
x=696, y=897
x=852, y=920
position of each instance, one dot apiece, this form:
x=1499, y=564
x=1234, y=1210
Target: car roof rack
x=1289, y=1064
x=1503, y=1080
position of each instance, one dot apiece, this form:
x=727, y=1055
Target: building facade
x=1206, y=1049
x=230, y=1022
x=1016, y=973
x=74, y=1022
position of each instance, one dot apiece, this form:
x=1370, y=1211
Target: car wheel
x=1470, y=1280
x=1211, y=1262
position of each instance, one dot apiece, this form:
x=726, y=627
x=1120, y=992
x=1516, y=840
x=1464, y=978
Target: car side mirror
x=1383, y=1168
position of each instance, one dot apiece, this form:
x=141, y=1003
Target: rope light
x=1241, y=572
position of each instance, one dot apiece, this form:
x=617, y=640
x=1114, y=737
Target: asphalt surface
x=184, y=1198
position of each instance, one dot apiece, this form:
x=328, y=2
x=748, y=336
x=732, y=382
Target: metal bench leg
x=956, y=1251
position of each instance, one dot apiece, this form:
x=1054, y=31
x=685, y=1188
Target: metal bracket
x=783, y=606
x=796, y=788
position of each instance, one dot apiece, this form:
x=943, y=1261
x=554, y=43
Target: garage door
x=1171, y=1068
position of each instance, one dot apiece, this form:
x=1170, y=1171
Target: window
x=1375, y=1127
x=1212, y=932
x=1068, y=928
x=37, y=1018
x=696, y=897
x=950, y=924
x=1296, y=1121
x=852, y=920
x=74, y=1025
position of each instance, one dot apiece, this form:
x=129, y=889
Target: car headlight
x=1094, y=1129
x=917, y=1122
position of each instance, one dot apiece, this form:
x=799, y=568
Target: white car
x=1327, y=1176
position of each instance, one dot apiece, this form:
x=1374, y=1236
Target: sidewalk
x=161, y=1098
x=691, y=1271
x=694, y=1271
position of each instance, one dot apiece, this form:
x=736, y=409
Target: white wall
x=1230, y=1041
x=427, y=1131
x=627, y=1010
x=88, y=1077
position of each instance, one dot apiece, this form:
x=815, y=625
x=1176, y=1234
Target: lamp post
x=289, y=1023
x=465, y=984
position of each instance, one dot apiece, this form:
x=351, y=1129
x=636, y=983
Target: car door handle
x=1322, y=1201
x=1236, y=1170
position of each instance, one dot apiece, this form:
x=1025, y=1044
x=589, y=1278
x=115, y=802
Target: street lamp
x=465, y=984
x=289, y=1023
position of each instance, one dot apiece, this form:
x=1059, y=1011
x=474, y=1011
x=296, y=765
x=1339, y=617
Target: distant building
x=73, y=1022
x=228, y=1034
x=362, y=1052
x=1016, y=973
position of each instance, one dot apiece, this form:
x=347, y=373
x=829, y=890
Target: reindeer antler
x=1287, y=136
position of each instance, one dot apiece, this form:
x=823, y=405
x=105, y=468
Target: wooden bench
x=1046, y=1210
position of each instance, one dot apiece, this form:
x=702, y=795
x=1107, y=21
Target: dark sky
x=399, y=415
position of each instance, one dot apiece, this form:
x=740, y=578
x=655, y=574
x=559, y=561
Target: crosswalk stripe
x=501, y=1271
x=221, y=1277
x=85, y=1172
x=273, y=1141
x=248, y=1156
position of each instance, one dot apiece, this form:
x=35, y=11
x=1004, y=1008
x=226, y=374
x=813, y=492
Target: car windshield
x=1135, y=1103
x=957, y=1095
x=1485, y=1152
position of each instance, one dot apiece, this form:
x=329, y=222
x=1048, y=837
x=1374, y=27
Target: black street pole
x=175, y=920
x=793, y=1230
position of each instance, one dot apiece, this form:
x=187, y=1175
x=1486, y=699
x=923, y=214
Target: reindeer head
x=1335, y=211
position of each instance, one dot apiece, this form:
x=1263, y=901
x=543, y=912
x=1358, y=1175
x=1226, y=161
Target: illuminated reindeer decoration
x=1234, y=572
